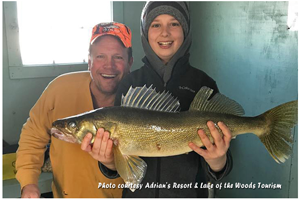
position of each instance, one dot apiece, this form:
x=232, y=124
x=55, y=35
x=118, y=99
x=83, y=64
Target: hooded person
x=165, y=175
x=179, y=10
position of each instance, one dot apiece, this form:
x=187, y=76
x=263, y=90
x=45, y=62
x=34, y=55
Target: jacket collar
x=179, y=68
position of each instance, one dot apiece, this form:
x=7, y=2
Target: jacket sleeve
x=217, y=176
x=33, y=140
x=107, y=172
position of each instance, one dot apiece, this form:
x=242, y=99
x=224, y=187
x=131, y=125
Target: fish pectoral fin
x=111, y=127
x=131, y=168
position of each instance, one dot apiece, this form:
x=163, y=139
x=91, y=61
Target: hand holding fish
x=215, y=154
x=101, y=149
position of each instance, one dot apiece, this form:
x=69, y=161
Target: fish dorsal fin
x=148, y=98
x=218, y=103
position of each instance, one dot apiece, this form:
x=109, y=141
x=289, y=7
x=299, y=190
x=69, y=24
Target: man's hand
x=215, y=154
x=101, y=149
x=30, y=191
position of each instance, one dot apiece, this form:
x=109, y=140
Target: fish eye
x=72, y=125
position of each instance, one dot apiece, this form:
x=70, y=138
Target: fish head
x=73, y=129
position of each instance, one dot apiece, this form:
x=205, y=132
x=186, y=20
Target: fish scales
x=153, y=133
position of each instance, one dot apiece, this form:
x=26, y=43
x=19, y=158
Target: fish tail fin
x=131, y=168
x=277, y=136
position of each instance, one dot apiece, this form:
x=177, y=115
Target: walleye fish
x=148, y=124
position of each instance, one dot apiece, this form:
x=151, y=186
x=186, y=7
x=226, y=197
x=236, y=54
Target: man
x=75, y=172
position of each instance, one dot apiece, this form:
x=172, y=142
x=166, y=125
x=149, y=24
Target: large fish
x=148, y=124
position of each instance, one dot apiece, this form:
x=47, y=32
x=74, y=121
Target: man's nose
x=109, y=63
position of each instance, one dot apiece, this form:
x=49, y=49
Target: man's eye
x=100, y=56
x=118, y=57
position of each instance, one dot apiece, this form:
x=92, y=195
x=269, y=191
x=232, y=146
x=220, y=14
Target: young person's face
x=165, y=36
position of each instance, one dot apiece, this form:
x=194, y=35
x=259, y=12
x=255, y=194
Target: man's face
x=108, y=63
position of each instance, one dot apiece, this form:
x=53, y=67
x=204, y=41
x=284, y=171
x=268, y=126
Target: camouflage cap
x=112, y=28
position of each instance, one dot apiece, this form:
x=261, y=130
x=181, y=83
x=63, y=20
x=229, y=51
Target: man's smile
x=109, y=76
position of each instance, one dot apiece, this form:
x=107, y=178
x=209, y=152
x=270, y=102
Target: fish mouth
x=61, y=136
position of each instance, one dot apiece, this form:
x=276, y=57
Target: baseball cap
x=112, y=28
